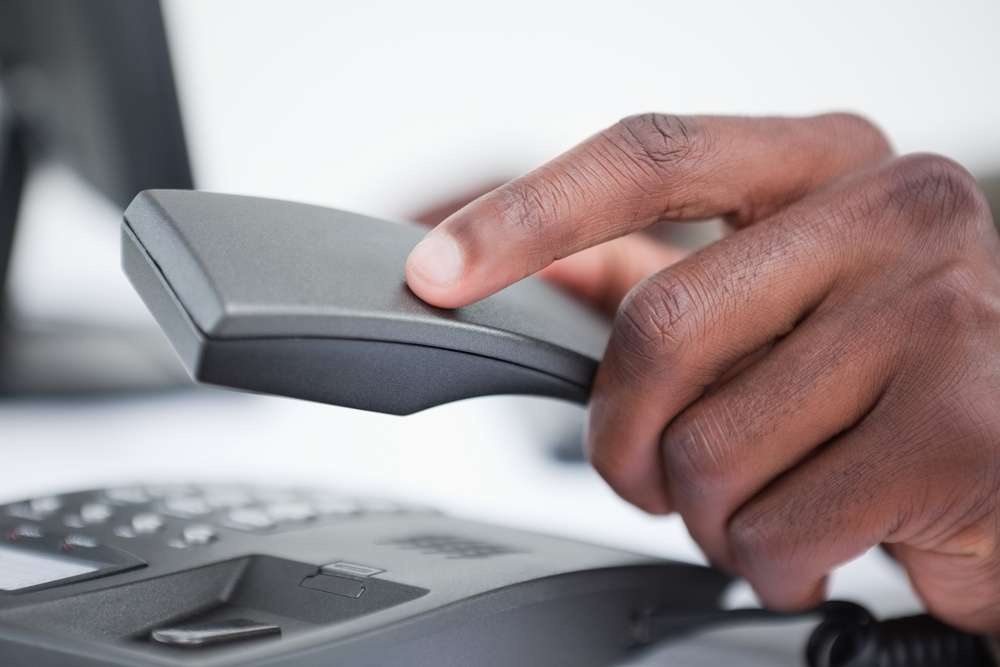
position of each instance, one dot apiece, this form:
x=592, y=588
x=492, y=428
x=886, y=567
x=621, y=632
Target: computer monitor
x=89, y=84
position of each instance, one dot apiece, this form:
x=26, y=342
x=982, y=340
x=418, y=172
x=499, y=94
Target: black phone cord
x=846, y=636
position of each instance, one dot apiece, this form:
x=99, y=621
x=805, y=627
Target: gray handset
x=310, y=302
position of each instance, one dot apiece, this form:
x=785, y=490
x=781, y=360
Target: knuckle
x=658, y=140
x=951, y=299
x=652, y=320
x=695, y=458
x=935, y=192
x=762, y=541
x=754, y=539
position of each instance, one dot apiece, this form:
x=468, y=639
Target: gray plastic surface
x=521, y=599
x=310, y=302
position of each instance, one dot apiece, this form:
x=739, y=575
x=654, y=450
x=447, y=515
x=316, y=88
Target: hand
x=823, y=380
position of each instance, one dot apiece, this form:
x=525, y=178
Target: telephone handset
x=310, y=302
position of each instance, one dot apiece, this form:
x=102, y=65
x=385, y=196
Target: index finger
x=641, y=170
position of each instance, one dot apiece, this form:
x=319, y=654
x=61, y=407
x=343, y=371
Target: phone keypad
x=182, y=516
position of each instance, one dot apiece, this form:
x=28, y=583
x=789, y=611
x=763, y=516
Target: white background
x=387, y=108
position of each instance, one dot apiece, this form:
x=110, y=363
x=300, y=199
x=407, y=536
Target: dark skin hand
x=823, y=380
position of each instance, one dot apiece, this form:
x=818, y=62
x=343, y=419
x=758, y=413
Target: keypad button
x=127, y=495
x=199, y=534
x=77, y=540
x=249, y=518
x=350, y=569
x=145, y=523
x=26, y=530
x=186, y=507
x=177, y=544
x=73, y=521
x=290, y=511
x=46, y=505
x=124, y=531
x=95, y=512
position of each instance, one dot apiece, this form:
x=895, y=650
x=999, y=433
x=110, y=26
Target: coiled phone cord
x=847, y=636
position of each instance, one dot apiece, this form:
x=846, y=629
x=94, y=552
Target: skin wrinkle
x=612, y=151
x=653, y=315
x=928, y=191
x=534, y=207
x=713, y=462
x=648, y=130
x=568, y=192
x=585, y=180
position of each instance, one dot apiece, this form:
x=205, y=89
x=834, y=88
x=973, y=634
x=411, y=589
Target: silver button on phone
x=250, y=519
x=95, y=512
x=145, y=523
x=27, y=530
x=77, y=540
x=124, y=531
x=217, y=632
x=199, y=534
x=350, y=569
x=46, y=505
x=186, y=507
x=291, y=511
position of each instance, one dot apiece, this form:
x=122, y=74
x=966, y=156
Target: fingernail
x=437, y=259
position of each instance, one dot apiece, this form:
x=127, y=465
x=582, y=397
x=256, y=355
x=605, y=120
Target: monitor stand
x=64, y=358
